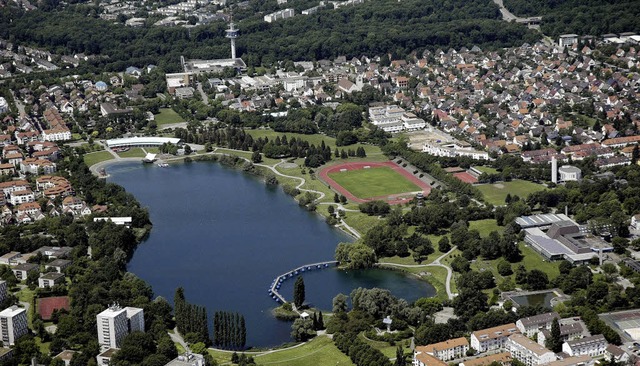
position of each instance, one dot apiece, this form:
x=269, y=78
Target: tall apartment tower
x=232, y=34
x=554, y=170
x=3, y=290
x=13, y=324
x=115, y=323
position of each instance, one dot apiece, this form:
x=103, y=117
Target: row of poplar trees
x=191, y=318
x=229, y=330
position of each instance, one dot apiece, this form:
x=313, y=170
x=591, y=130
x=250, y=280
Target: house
x=425, y=359
x=527, y=351
x=7, y=169
x=23, y=196
x=589, y=346
x=573, y=361
x=58, y=264
x=187, y=359
x=635, y=221
x=492, y=338
x=568, y=332
x=37, y=166
x=447, y=350
x=65, y=356
x=22, y=271
x=10, y=258
x=104, y=359
x=30, y=208
x=616, y=354
x=503, y=359
x=530, y=326
x=50, y=279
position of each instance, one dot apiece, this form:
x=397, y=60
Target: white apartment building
x=3, y=290
x=58, y=134
x=573, y=361
x=13, y=324
x=281, y=14
x=447, y=350
x=568, y=332
x=392, y=119
x=527, y=351
x=24, y=196
x=492, y=338
x=114, y=324
x=531, y=325
x=453, y=150
x=136, y=319
x=589, y=346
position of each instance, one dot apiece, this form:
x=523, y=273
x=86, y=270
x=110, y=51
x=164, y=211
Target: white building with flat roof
x=13, y=324
x=569, y=173
x=115, y=323
x=141, y=141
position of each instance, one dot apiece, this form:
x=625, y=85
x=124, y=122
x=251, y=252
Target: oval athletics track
x=391, y=199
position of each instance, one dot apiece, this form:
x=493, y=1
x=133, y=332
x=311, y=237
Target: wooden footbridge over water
x=275, y=285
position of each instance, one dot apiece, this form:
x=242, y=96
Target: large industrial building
x=558, y=237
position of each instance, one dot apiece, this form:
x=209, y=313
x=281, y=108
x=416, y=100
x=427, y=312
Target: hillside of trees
x=583, y=17
x=372, y=28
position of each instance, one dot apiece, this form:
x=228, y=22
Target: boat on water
x=163, y=165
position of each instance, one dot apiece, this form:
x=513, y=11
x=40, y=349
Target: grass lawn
x=97, y=157
x=384, y=347
x=135, y=152
x=485, y=227
x=496, y=193
x=167, y=116
x=487, y=169
x=152, y=150
x=373, y=182
x=532, y=260
x=315, y=139
x=318, y=352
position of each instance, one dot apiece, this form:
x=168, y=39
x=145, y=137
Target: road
x=19, y=105
x=205, y=98
x=509, y=16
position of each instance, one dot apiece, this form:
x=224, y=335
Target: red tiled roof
x=47, y=305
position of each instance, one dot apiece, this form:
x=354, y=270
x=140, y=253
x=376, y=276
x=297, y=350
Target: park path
x=435, y=263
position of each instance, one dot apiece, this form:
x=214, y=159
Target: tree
x=302, y=329
x=256, y=157
x=504, y=268
x=401, y=358
x=537, y=280
x=298, y=292
x=339, y=303
x=336, y=198
x=554, y=342
x=444, y=245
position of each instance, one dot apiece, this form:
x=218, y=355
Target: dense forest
x=583, y=17
x=372, y=28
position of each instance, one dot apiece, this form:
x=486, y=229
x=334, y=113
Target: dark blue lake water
x=224, y=236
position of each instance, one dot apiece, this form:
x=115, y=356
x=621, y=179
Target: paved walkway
x=435, y=263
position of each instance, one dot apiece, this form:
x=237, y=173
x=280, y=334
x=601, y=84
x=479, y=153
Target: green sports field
x=496, y=193
x=373, y=182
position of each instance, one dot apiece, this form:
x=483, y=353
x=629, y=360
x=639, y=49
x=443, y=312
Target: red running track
x=391, y=199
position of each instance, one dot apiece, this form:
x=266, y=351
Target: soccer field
x=373, y=182
x=496, y=193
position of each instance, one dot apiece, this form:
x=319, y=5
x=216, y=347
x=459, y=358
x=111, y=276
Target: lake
x=224, y=236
